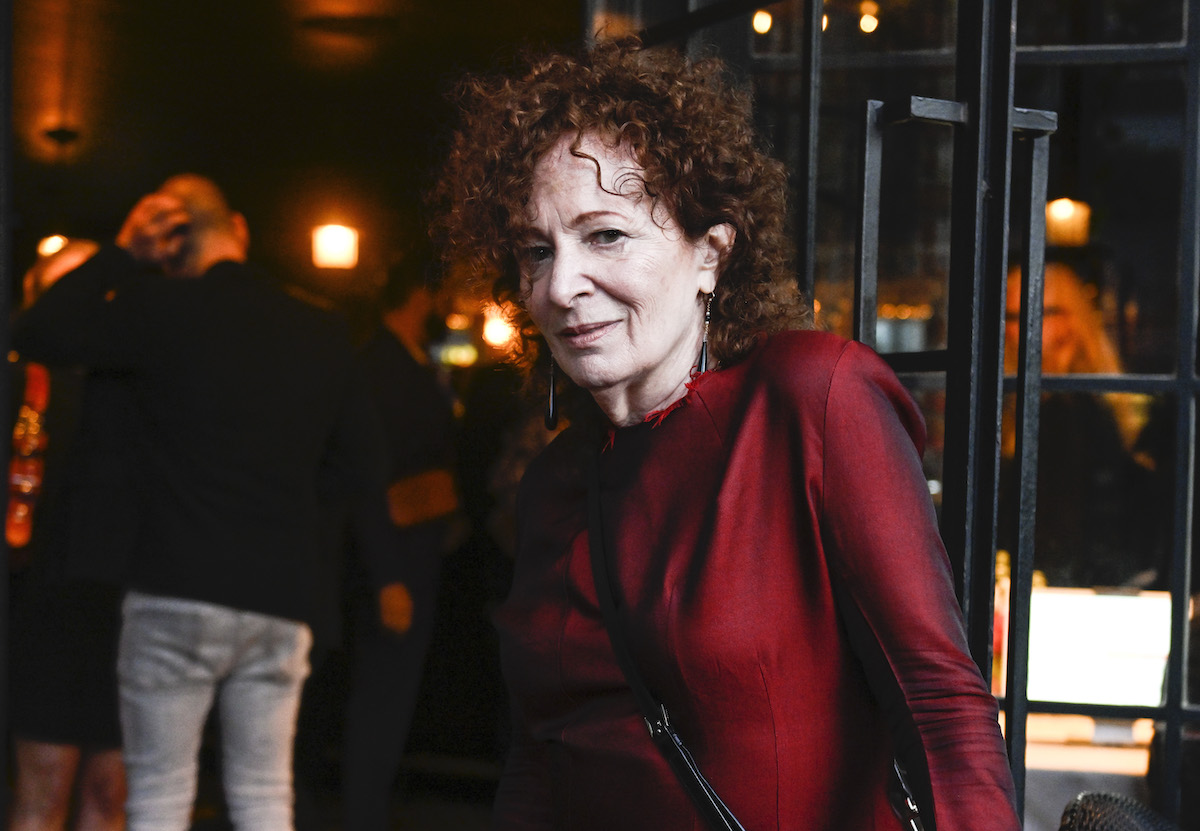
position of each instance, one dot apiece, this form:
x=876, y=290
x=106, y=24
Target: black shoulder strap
x=719, y=817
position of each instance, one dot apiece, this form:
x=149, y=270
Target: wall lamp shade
x=334, y=246
x=1068, y=222
x=51, y=245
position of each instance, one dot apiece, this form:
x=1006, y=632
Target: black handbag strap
x=657, y=719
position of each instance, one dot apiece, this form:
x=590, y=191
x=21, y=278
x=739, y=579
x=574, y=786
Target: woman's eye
x=537, y=253
x=609, y=235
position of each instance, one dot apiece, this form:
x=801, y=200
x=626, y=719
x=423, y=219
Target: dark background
x=305, y=111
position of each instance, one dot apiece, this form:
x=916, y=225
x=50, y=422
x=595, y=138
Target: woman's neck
x=629, y=404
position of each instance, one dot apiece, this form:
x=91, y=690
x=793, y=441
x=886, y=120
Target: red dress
x=786, y=594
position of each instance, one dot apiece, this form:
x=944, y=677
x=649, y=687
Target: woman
x=70, y=534
x=1101, y=505
x=782, y=585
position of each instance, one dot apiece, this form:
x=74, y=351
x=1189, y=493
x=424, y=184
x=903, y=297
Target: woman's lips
x=585, y=334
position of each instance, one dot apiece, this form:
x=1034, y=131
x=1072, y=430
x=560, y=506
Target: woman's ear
x=715, y=247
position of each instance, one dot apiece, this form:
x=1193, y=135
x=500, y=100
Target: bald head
x=215, y=232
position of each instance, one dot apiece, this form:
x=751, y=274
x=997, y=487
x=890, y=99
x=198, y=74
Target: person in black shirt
x=251, y=409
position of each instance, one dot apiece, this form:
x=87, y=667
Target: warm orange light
x=762, y=21
x=460, y=354
x=607, y=25
x=335, y=246
x=51, y=245
x=869, y=7
x=868, y=23
x=344, y=34
x=498, y=331
x=824, y=22
x=1068, y=222
x=458, y=321
x=59, y=78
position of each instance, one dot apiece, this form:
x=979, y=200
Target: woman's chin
x=590, y=377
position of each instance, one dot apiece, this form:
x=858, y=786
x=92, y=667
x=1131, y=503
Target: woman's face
x=617, y=292
x=1063, y=307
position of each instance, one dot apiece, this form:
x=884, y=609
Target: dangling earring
x=702, y=364
x=551, y=404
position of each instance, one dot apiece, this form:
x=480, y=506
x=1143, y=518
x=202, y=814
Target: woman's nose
x=570, y=275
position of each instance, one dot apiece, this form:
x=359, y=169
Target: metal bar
x=1029, y=393
x=962, y=324
x=811, y=105
x=1087, y=382
x=866, y=270
x=1034, y=121
x=1114, y=711
x=782, y=62
x=977, y=263
x=866, y=260
x=1100, y=54
x=1083, y=55
x=1180, y=581
x=919, y=108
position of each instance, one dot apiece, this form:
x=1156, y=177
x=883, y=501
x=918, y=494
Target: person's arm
x=75, y=321
x=896, y=596
x=87, y=317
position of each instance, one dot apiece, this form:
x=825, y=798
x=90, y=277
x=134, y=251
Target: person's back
x=250, y=409
x=242, y=387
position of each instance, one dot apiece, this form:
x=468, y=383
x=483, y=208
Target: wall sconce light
x=762, y=21
x=51, y=245
x=869, y=20
x=334, y=246
x=1068, y=223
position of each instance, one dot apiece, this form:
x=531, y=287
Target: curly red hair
x=687, y=125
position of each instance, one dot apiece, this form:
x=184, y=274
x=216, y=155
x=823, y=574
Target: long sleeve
x=85, y=318
x=898, y=600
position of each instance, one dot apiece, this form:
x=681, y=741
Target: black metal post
x=1035, y=166
x=978, y=254
x=810, y=104
x=1181, y=577
x=866, y=260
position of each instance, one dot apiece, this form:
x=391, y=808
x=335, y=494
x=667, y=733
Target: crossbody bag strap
x=654, y=712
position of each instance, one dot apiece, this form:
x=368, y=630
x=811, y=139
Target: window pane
x=1080, y=319
x=914, y=225
x=1118, y=149
x=781, y=31
x=1100, y=614
x=857, y=26
x=1069, y=754
x=1063, y=22
x=1103, y=517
